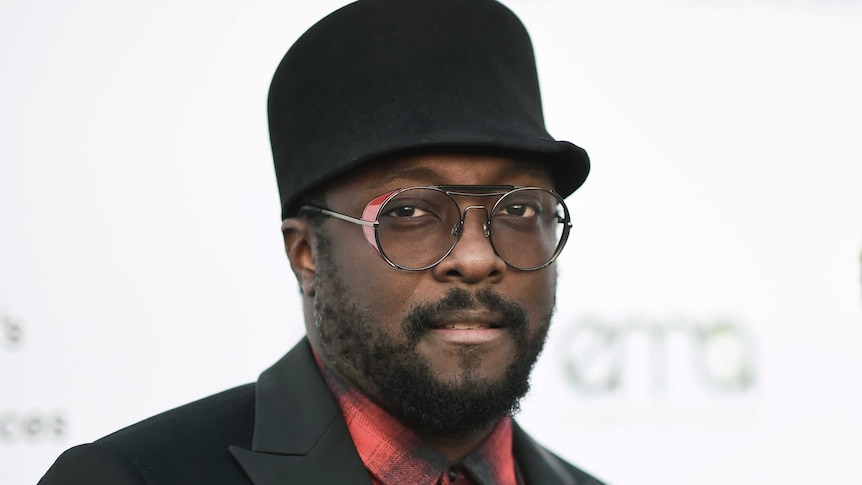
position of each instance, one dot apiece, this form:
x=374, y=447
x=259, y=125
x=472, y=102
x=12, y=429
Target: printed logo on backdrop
x=12, y=331
x=656, y=358
x=30, y=425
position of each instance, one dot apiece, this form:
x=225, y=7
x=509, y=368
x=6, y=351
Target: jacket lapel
x=299, y=433
x=538, y=465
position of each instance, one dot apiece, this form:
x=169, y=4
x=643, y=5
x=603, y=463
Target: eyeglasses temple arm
x=337, y=215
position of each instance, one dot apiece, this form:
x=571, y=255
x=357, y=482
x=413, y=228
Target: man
x=421, y=219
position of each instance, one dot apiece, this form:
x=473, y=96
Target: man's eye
x=519, y=210
x=406, y=211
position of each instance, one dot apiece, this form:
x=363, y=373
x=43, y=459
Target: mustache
x=423, y=316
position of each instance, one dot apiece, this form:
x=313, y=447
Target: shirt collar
x=393, y=454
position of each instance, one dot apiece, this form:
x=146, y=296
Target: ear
x=299, y=246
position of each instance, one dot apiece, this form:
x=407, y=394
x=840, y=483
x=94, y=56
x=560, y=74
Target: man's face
x=447, y=350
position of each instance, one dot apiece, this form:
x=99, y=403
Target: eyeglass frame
x=369, y=228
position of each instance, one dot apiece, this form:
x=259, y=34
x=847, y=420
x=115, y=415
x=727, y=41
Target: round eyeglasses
x=415, y=228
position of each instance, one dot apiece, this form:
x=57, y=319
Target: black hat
x=379, y=77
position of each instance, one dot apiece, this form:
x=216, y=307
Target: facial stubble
x=390, y=371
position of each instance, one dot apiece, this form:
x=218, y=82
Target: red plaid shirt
x=394, y=455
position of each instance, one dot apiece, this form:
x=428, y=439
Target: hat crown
x=381, y=76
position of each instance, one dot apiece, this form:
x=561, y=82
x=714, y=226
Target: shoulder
x=226, y=416
x=539, y=465
x=185, y=445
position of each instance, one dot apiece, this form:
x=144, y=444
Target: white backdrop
x=710, y=310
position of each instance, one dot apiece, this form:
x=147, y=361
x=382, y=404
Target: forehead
x=442, y=169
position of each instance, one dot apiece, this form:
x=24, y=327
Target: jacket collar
x=538, y=465
x=300, y=434
x=298, y=429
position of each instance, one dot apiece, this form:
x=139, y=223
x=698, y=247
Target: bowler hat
x=380, y=77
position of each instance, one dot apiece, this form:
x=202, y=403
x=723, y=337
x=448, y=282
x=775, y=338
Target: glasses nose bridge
x=473, y=206
x=485, y=222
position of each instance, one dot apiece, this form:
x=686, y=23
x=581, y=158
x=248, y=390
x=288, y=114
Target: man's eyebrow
x=422, y=173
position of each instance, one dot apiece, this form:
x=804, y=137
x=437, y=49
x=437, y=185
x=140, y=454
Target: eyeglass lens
x=419, y=226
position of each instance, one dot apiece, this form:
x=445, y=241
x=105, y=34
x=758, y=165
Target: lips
x=468, y=320
x=467, y=326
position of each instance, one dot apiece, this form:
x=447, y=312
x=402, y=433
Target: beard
x=392, y=373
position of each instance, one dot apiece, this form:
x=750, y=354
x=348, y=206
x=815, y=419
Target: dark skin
x=385, y=293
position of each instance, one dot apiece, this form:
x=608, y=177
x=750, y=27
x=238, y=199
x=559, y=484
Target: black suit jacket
x=285, y=429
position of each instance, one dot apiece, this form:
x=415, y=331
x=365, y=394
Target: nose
x=473, y=259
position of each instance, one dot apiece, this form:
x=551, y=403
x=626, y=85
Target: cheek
x=538, y=294
x=381, y=291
